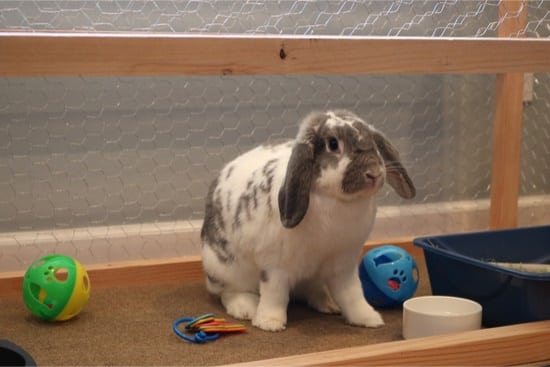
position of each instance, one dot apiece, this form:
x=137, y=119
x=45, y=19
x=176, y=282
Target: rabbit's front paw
x=270, y=318
x=368, y=318
x=240, y=305
x=269, y=323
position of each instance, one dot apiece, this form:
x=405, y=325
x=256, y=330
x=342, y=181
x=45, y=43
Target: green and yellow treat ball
x=56, y=288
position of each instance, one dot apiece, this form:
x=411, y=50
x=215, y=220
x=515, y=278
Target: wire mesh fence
x=446, y=18
x=110, y=169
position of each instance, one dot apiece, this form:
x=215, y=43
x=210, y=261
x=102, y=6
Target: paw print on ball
x=398, y=278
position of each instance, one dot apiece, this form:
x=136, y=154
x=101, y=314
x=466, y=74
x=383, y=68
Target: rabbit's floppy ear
x=397, y=176
x=294, y=193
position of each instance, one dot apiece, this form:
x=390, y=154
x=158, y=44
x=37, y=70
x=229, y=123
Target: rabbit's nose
x=374, y=171
x=373, y=176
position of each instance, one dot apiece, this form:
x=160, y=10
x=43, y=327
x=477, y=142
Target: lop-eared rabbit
x=290, y=220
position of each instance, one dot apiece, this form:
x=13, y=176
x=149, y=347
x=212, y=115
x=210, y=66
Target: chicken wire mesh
x=110, y=169
x=448, y=18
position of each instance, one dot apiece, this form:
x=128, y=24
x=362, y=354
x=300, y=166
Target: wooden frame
x=84, y=54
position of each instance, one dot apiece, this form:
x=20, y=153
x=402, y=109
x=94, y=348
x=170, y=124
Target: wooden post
x=507, y=127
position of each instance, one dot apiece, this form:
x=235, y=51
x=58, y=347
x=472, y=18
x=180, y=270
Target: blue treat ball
x=389, y=276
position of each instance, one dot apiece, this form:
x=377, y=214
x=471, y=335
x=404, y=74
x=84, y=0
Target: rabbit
x=289, y=220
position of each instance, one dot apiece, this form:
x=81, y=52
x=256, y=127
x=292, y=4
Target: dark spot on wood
x=282, y=54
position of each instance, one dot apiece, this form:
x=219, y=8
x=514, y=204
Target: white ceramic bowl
x=434, y=315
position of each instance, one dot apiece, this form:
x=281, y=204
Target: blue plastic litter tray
x=462, y=265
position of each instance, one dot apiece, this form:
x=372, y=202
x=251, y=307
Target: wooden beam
x=133, y=54
x=513, y=18
x=506, y=168
x=507, y=128
x=501, y=346
x=128, y=273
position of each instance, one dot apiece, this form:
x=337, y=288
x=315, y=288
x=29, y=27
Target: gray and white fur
x=290, y=219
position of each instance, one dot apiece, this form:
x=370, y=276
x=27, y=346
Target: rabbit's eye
x=332, y=144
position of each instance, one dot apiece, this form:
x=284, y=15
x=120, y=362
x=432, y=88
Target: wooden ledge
x=128, y=273
x=502, y=346
x=136, y=54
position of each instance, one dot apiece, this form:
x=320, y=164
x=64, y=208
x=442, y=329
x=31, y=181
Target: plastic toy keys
x=209, y=324
x=200, y=337
x=194, y=324
x=206, y=328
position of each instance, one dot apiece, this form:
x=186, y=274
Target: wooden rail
x=507, y=128
x=133, y=54
x=502, y=346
